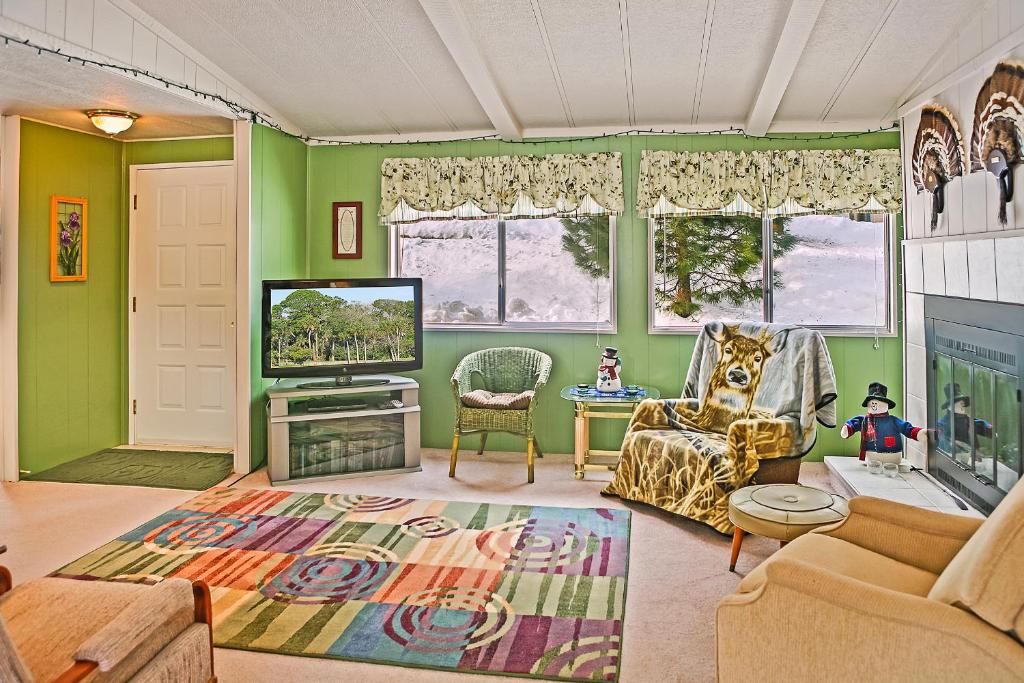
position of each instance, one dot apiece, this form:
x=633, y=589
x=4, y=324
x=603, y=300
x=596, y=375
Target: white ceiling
x=537, y=67
x=43, y=88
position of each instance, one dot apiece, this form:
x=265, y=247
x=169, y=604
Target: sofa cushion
x=985, y=577
x=481, y=398
x=849, y=560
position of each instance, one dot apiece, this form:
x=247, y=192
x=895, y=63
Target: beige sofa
x=891, y=593
x=67, y=630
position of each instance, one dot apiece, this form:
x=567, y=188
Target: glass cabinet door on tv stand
x=343, y=431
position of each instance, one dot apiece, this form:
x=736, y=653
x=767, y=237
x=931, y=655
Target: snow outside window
x=825, y=272
x=548, y=273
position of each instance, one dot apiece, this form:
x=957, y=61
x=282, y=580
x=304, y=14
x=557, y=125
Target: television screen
x=332, y=328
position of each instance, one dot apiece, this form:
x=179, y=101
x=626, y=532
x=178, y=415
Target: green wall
x=351, y=173
x=69, y=340
x=277, y=244
x=72, y=337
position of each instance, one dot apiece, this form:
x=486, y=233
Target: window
x=546, y=273
x=832, y=273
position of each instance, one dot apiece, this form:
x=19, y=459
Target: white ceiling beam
x=451, y=24
x=803, y=15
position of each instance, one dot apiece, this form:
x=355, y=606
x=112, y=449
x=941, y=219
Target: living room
x=575, y=341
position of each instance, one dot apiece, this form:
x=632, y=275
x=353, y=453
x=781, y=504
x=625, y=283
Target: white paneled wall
x=121, y=32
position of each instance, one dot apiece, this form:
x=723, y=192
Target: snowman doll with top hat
x=881, y=434
x=609, y=371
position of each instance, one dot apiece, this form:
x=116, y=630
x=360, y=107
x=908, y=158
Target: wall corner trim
x=10, y=161
x=243, y=313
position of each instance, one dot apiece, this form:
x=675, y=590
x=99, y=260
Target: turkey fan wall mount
x=938, y=155
x=996, y=143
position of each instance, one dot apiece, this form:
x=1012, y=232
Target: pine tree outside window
x=832, y=273
x=527, y=274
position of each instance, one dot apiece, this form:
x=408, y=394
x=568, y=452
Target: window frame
x=503, y=325
x=888, y=329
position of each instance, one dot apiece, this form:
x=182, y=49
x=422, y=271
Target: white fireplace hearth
x=851, y=478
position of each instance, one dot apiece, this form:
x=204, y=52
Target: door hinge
x=133, y=304
x=135, y=201
x=135, y=407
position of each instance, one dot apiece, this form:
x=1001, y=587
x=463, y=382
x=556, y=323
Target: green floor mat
x=158, y=469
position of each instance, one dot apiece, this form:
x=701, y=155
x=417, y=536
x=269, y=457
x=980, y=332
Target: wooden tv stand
x=342, y=431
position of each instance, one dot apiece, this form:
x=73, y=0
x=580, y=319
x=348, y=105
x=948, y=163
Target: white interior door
x=183, y=355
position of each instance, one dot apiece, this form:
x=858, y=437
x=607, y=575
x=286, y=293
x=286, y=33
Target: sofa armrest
x=811, y=624
x=761, y=438
x=160, y=612
x=922, y=538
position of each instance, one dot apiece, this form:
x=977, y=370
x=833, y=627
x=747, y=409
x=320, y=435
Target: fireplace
x=975, y=353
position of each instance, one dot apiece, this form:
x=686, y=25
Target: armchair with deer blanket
x=754, y=392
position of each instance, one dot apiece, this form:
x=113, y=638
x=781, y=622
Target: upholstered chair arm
x=761, y=438
x=806, y=620
x=922, y=538
x=152, y=620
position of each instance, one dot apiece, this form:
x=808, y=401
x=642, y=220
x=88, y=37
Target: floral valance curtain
x=507, y=186
x=777, y=182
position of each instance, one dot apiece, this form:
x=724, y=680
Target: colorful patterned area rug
x=502, y=589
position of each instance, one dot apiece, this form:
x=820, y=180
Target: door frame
x=240, y=446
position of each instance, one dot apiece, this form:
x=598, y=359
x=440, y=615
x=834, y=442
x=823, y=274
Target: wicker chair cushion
x=480, y=398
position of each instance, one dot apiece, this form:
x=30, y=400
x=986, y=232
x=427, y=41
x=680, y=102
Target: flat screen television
x=341, y=328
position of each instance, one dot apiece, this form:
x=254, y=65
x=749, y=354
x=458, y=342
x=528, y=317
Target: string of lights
x=242, y=111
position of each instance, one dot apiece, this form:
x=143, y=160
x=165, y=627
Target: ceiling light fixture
x=111, y=121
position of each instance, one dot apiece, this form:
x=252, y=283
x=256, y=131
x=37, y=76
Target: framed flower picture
x=69, y=246
x=347, y=229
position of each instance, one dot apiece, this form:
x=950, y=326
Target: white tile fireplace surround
x=988, y=268
x=969, y=254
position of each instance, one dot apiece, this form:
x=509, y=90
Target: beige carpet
x=678, y=570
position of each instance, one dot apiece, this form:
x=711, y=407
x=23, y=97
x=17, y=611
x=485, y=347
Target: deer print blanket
x=753, y=391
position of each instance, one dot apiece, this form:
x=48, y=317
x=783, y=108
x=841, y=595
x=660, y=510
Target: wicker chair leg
x=529, y=460
x=455, y=455
x=536, y=448
x=483, y=442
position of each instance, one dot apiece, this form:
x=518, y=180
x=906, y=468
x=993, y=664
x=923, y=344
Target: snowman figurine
x=609, y=371
x=881, y=434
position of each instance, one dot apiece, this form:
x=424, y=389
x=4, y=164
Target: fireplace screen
x=974, y=402
x=977, y=419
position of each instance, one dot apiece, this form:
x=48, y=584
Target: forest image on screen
x=323, y=327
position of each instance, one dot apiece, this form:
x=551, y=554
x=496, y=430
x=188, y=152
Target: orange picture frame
x=69, y=245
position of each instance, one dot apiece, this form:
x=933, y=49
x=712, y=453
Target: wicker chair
x=507, y=370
